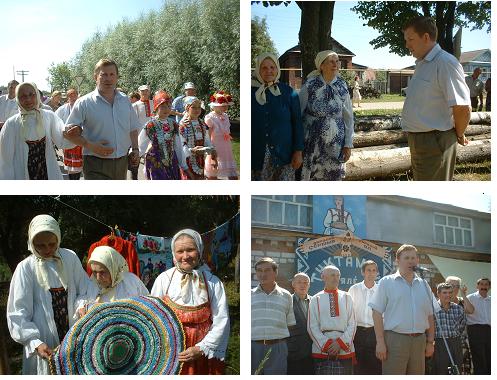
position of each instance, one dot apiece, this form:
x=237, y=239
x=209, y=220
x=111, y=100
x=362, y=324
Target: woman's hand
x=346, y=152
x=296, y=159
x=44, y=351
x=190, y=354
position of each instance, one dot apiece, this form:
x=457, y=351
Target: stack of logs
x=380, y=146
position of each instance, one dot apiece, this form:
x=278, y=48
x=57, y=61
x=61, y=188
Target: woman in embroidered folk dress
x=219, y=133
x=328, y=121
x=164, y=156
x=46, y=289
x=195, y=140
x=111, y=279
x=199, y=300
x=26, y=139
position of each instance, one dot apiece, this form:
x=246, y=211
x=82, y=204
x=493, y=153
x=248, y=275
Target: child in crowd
x=219, y=133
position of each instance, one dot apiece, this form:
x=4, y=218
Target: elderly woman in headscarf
x=27, y=139
x=111, y=278
x=198, y=298
x=328, y=121
x=46, y=289
x=277, y=134
x=195, y=139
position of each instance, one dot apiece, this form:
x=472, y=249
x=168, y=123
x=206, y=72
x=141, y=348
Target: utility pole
x=22, y=73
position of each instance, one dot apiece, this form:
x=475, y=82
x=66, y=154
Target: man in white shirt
x=365, y=339
x=475, y=89
x=144, y=109
x=403, y=317
x=437, y=108
x=8, y=104
x=272, y=315
x=479, y=333
x=331, y=326
x=110, y=123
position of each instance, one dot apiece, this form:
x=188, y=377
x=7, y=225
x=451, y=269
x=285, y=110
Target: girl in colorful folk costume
x=164, y=155
x=26, y=139
x=46, y=289
x=199, y=300
x=219, y=133
x=195, y=140
x=111, y=279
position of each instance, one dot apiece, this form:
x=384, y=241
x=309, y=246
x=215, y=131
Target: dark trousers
x=365, y=350
x=441, y=360
x=474, y=104
x=303, y=366
x=479, y=344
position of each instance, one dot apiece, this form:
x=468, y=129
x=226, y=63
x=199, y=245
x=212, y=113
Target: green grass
x=378, y=112
x=384, y=98
x=233, y=353
x=235, y=147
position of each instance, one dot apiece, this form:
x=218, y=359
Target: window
x=453, y=230
x=288, y=211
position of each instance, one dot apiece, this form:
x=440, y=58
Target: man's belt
x=364, y=327
x=268, y=342
x=412, y=334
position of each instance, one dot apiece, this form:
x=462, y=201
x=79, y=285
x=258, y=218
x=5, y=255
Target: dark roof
x=469, y=56
x=336, y=46
x=356, y=66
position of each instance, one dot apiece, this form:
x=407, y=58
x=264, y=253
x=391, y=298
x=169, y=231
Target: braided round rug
x=136, y=336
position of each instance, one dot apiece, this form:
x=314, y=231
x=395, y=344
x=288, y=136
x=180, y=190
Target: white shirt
x=104, y=121
x=143, y=119
x=63, y=112
x=405, y=307
x=215, y=342
x=437, y=85
x=29, y=307
x=481, y=315
x=362, y=295
x=8, y=107
x=14, y=150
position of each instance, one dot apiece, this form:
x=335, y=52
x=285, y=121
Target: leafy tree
x=388, y=18
x=60, y=76
x=261, y=41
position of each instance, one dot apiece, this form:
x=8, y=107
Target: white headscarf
x=260, y=94
x=192, y=282
x=115, y=264
x=46, y=223
x=320, y=57
x=40, y=130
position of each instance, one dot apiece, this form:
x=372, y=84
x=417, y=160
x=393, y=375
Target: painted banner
x=346, y=252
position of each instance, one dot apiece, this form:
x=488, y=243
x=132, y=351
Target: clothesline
x=120, y=229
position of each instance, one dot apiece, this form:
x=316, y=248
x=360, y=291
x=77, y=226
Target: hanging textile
x=124, y=247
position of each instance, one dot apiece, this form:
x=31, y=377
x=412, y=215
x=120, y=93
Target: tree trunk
x=315, y=31
x=383, y=137
x=382, y=163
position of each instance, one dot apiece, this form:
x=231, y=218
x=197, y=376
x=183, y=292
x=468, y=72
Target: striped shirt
x=271, y=313
x=450, y=323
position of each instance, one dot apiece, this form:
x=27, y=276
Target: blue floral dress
x=324, y=129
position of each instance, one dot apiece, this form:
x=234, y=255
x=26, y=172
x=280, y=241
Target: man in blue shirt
x=437, y=108
x=178, y=107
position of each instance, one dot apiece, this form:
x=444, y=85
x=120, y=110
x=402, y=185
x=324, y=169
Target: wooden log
x=382, y=123
x=384, y=137
x=365, y=164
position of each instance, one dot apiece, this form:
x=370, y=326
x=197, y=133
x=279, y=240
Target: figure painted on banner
x=219, y=133
x=199, y=300
x=299, y=360
x=8, y=103
x=73, y=158
x=195, y=141
x=338, y=220
x=365, y=339
x=328, y=120
x=331, y=325
x=164, y=156
x=403, y=317
x=479, y=328
x=450, y=323
x=272, y=318
x=111, y=279
x=46, y=289
x=27, y=139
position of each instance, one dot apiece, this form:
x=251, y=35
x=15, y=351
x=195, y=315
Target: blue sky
x=284, y=23
x=54, y=30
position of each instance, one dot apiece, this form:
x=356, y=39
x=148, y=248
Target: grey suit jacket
x=299, y=343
